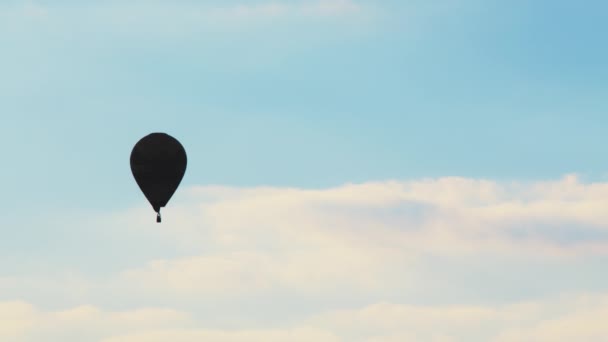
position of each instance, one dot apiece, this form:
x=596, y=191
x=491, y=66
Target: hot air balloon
x=158, y=164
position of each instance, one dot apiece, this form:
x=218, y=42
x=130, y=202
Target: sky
x=358, y=170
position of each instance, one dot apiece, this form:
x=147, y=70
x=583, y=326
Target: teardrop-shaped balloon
x=158, y=164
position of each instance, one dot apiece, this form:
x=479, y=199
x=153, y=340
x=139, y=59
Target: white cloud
x=374, y=238
x=22, y=321
x=296, y=335
x=380, y=261
x=565, y=318
x=331, y=269
x=450, y=215
x=576, y=317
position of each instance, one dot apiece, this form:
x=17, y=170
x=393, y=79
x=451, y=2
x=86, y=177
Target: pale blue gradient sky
x=404, y=90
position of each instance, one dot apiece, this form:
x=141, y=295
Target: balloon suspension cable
x=158, y=217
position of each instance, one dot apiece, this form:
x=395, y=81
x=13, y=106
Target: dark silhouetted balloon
x=158, y=163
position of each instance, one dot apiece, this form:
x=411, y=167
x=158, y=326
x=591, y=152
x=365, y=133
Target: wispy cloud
x=175, y=17
x=303, y=8
x=22, y=321
x=552, y=319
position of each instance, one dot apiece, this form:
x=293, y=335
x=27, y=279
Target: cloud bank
x=448, y=259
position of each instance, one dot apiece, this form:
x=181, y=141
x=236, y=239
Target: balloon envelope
x=158, y=164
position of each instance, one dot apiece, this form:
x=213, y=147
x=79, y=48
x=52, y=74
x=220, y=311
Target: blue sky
x=407, y=90
x=295, y=95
